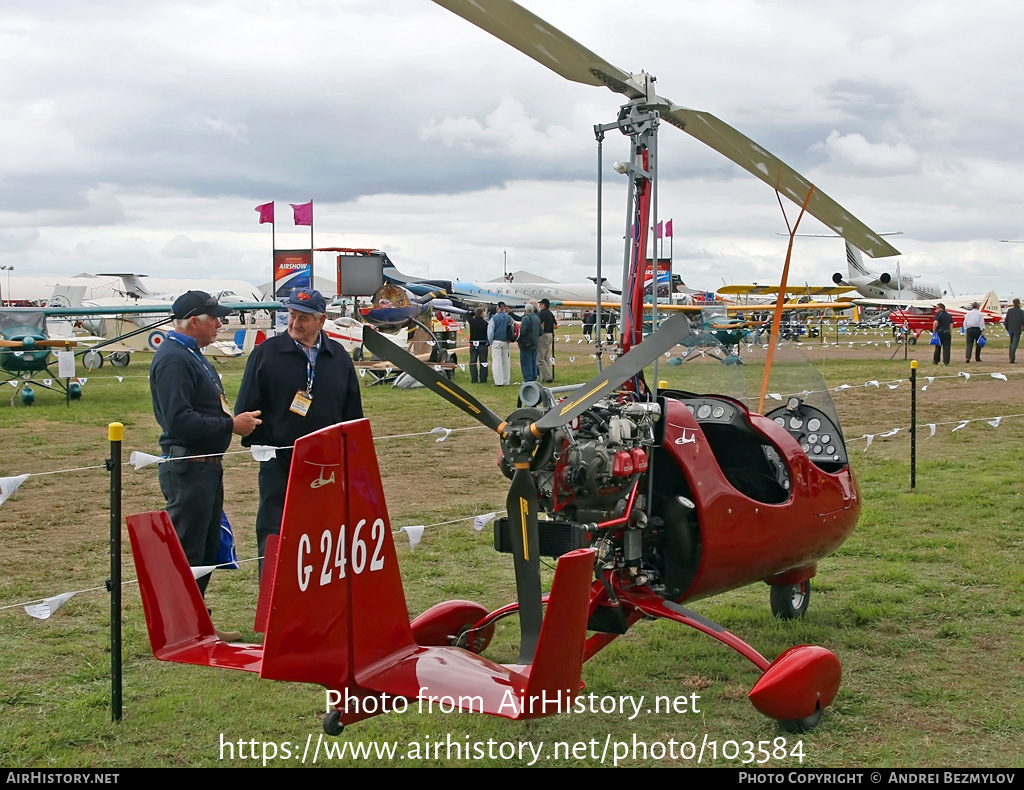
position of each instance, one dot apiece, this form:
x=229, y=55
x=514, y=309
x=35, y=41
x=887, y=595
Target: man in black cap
x=189, y=404
x=301, y=381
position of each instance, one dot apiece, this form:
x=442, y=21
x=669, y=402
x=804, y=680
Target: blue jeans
x=528, y=364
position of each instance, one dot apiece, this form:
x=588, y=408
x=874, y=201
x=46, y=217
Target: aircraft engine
x=586, y=471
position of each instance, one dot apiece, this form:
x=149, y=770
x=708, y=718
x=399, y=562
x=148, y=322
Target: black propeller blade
x=431, y=379
x=671, y=333
x=522, y=517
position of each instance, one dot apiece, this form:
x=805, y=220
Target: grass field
x=922, y=604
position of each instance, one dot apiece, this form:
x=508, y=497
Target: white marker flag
x=8, y=485
x=42, y=611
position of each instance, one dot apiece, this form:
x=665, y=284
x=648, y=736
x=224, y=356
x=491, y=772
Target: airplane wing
x=696, y=308
x=148, y=309
x=795, y=290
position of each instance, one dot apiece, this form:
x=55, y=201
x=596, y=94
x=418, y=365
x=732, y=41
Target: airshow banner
x=292, y=269
x=664, y=276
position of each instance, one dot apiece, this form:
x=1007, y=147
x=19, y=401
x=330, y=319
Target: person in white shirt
x=974, y=325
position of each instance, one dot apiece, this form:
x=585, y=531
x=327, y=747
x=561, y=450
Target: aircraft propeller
x=520, y=436
x=552, y=48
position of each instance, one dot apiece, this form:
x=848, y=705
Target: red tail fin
x=337, y=573
x=179, y=625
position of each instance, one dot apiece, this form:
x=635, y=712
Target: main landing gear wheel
x=332, y=723
x=93, y=360
x=800, y=725
x=790, y=600
x=120, y=359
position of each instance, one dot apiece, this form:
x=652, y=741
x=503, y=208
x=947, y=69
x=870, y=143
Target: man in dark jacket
x=941, y=326
x=301, y=381
x=189, y=405
x=478, y=347
x=546, y=349
x=1014, y=322
x=529, y=339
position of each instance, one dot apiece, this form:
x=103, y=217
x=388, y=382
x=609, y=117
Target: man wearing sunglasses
x=197, y=423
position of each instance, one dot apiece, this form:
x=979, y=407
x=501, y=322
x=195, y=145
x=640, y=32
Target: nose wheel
x=790, y=601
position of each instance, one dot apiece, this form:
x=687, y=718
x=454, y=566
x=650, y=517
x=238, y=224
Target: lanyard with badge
x=206, y=368
x=304, y=398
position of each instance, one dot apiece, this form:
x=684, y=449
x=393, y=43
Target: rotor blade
x=430, y=379
x=546, y=44
x=777, y=174
x=672, y=332
x=522, y=521
x=550, y=47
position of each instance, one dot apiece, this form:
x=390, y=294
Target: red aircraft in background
x=919, y=316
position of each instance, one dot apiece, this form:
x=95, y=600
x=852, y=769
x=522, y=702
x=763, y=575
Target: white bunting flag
x=441, y=433
x=414, y=533
x=483, y=520
x=870, y=437
x=1000, y=376
x=995, y=423
x=931, y=429
x=963, y=424
x=139, y=460
x=8, y=485
x=199, y=571
x=42, y=611
x=263, y=452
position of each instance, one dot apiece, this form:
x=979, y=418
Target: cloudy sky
x=141, y=136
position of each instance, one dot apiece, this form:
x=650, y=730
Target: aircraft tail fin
x=854, y=262
x=337, y=603
x=558, y=662
x=991, y=303
x=179, y=625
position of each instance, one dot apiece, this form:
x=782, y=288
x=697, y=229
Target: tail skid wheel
x=790, y=601
x=332, y=723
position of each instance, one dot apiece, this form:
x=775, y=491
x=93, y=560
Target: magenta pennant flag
x=266, y=212
x=668, y=229
x=303, y=213
x=657, y=231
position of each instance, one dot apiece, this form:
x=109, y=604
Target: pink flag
x=657, y=231
x=266, y=212
x=668, y=229
x=303, y=213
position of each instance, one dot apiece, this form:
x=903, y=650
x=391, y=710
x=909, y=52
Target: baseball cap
x=193, y=303
x=305, y=300
x=502, y=304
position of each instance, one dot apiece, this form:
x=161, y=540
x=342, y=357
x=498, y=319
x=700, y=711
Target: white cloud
x=855, y=153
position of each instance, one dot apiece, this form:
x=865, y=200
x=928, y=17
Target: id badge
x=224, y=405
x=301, y=403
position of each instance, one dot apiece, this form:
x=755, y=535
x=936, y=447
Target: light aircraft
x=884, y=285
x=654, y=497
x=525, y=286
x=121, y=288
x=25, y=342
x=919, y=315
